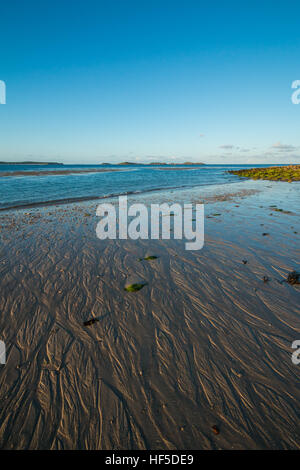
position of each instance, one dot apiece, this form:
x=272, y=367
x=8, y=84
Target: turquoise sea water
x=22, y=191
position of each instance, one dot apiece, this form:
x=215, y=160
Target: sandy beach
x=205, y=343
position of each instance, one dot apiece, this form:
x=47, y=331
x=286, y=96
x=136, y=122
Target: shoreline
x=289, y=173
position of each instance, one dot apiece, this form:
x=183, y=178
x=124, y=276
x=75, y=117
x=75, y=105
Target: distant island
x=190, y=163
x=31, y=163
x=160, y=163
x=129, y=163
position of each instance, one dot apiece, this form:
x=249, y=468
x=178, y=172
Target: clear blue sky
x=91, y=81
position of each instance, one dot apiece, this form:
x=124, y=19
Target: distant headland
x=31, y=163
x=106, y=163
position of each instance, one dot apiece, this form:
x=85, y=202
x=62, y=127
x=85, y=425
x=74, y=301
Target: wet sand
x=205, y=343
x=55, y=172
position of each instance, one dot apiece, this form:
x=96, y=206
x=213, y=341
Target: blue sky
x=93, y=81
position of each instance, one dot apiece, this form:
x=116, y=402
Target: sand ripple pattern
x=205, y=342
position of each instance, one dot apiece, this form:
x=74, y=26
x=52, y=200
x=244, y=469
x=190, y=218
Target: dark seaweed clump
x=90, y=322
x=293, y=278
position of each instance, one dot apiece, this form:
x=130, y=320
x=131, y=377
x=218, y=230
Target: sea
x=40, y=189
